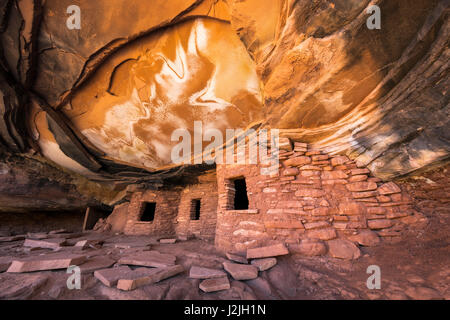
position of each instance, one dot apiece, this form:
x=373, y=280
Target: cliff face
x=103, y=100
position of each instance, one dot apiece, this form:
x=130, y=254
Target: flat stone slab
x=205, y=273
x=267, y=252
x=110, y=277
x=46, y=262
x=236, y=258
x=149, y=259
x=45, y=243
x=66, y=235
x=140, y=277
x=264, y=264
x=12, y=238
x=241, y=271
x=213, y=285
x=167, y=241
x=96, y=263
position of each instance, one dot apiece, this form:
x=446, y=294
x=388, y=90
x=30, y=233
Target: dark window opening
x=148, y=212
x=240, y=195
x=195, y=209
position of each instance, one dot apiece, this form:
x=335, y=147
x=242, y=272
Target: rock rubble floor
x=415, y=268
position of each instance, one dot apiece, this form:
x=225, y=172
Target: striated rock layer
x=104, y=100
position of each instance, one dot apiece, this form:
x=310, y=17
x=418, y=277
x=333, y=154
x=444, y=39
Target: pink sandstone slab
x=149, y=259
x=45, y=243
x=205, y=273
x=213, y=285
x=236, y=258
x=46, y=262
x=110, y=277
x=241, y=271
x=264, y=264
x=267, y=252
x=141, y=277
x=96, y=263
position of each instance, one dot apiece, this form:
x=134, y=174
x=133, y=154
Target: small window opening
x=148, y=213
x=240, y=196
x=195, y=209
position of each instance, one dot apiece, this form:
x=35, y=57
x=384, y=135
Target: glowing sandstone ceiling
x=165, y=81
x=107, y=96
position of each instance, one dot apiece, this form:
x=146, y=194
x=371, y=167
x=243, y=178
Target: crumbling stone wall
x=174, y=211
x=205, y=226
x=166, y=210
x=313, y=196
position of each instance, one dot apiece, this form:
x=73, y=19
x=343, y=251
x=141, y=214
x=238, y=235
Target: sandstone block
x=46, y=262
x=366, y=238
x=343, y=249
x=361, y=186
x=264, y=264
x=149, y=259
x=241, y=271
x=389, y=188
x=266, y=252
x=379, y=224
x=297, y=162
x=309, y=247
x=205, y=273
x=213, y=285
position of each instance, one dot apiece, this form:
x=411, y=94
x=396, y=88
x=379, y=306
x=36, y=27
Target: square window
x=148, y=211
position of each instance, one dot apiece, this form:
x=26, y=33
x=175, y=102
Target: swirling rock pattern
x=136, y=70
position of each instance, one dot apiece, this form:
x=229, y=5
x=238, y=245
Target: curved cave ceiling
x=156, y=84
x=104, y=99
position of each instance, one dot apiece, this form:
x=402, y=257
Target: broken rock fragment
x=264, y=264
x=96, y=263
x=241, y=271
x=46, y=243
x=343, y=249
x=46, y=262
x=267, y=252
x=236, y=258
x=149, y=259
x=109, y=277
x=144, y=276
x=205, y=273
x=213, y=285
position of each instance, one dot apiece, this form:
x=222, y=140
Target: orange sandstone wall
x=315, y=196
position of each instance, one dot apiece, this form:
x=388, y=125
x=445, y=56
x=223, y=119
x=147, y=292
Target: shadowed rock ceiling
x=103, y=100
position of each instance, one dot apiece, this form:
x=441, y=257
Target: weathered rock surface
x=46, y=262
x=266, y=252
x=241, y=271
x=213, y=285
x=264, y=264
x=309, y=247
x=343, y=249
x=110, y=276
x=143, y=276
x=149, y=259
x=205, y=273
